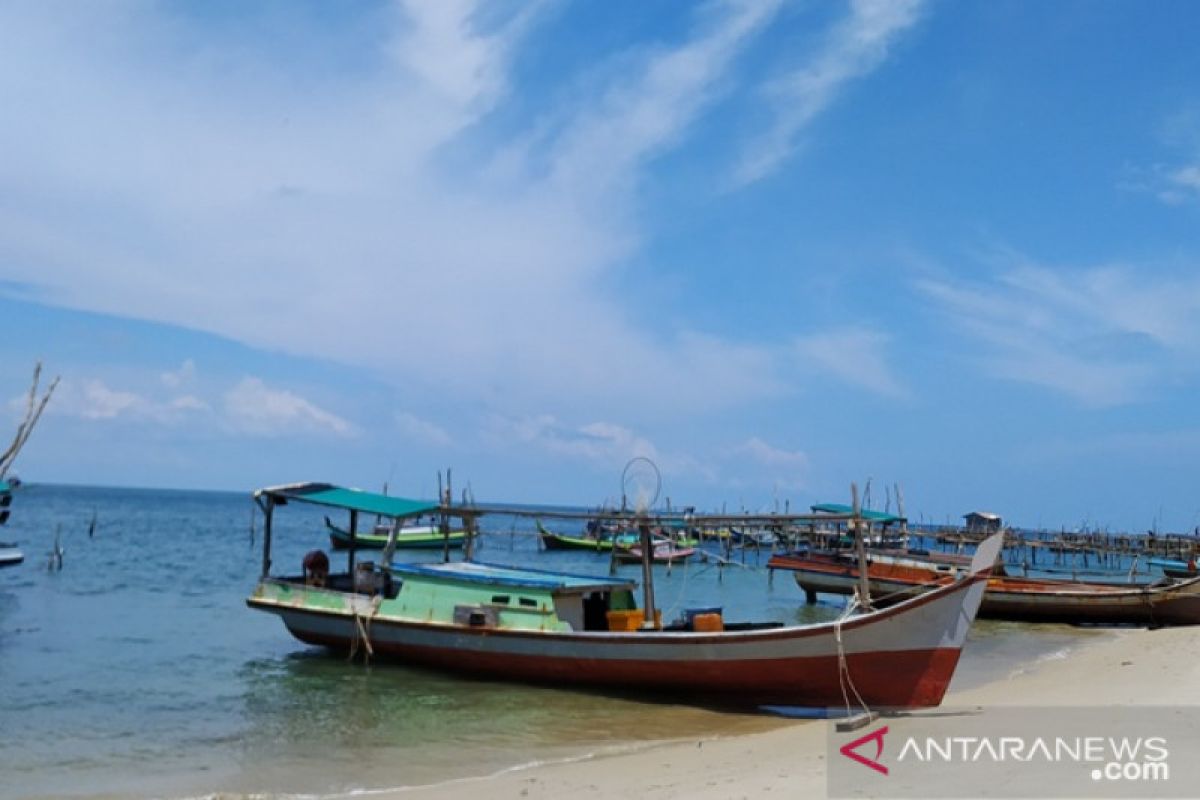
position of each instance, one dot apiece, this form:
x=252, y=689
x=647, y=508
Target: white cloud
x=417, y=429
x=771, y=456
x=440, y=44
x=1102, y=336
x=189, y=402
x=1187, y=177
x=101, y=402
x=854, y=355
x=1179, y=185
x=636, y=119
x=254, y=408
x=854, y=48
x=602, y=443
x=184, y=376
x=1175, y=182
x=94, y=399
x=756, y=462
x=371, y=216
x=332, y=195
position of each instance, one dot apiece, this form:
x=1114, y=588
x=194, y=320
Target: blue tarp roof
x=501, y=575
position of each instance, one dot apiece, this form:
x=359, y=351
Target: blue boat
x=10, y=555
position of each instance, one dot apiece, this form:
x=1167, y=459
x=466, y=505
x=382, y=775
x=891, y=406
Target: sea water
x=136, y=670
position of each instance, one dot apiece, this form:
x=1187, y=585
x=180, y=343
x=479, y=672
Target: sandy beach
x=1127, y=667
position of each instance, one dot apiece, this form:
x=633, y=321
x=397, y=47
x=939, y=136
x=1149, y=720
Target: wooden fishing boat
x=602, y=538
x=529, y=625
x=1176, y=567
x=896, y=578
x=410, y=537
x=662, y=552
x=596, y=538
x=753, y=538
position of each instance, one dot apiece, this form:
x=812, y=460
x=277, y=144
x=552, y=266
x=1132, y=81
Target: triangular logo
x=848, y=750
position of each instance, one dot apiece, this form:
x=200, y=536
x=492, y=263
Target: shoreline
x=1121, y=667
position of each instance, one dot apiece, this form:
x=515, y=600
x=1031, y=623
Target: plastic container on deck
x=631, y=620
x=689, y=615
x=708, y=623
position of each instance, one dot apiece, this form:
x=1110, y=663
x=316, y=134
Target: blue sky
x=776, y=247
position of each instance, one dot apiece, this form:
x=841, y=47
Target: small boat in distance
x=596, y=537
x=519, y=624
x=10, y=555
x=663, y=551
x=410, y=537
x=1175, y=567
x=602, y=537
x=753, y=538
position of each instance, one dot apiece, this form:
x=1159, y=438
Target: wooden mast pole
x=445, y=523
x=353, y=542
x=650, y=620
x=268, y=515
x=864, y=583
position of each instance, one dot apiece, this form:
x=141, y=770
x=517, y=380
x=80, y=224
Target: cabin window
x=595, y=611
x=528, y=602
x=500, y=599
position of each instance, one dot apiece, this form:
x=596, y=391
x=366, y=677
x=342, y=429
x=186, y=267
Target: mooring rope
x=362, y=629
x=680, y=593
x=844, y=677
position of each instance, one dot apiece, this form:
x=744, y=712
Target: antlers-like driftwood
x=33, y=412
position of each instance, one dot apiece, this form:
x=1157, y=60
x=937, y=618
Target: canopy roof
x=871, y=516
x=325, y=494
x=500, y=575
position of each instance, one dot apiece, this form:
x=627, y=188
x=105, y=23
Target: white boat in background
x=10, y=555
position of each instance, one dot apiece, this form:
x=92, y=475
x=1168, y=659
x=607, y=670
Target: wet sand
x=1112, y=668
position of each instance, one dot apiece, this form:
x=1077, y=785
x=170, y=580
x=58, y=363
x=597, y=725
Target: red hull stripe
x=898, y=679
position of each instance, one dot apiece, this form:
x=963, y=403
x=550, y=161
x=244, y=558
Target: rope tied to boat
x=844, y=677
x=679, y=594
x=362, y=629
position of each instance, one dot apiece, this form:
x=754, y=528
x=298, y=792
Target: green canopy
x=324, y=494
x=871, y=516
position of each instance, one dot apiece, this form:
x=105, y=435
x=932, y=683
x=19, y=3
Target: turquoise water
x=138, y=671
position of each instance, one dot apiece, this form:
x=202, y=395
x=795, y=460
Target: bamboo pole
x=650, y=620
x=864, y=583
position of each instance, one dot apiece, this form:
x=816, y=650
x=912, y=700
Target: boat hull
x=901, y=657
x=557, y=541
x=633, y=555
x=10, y=555
x=340, y=540
x=1020, y=599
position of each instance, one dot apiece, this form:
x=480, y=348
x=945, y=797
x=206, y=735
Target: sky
x=772, y=247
